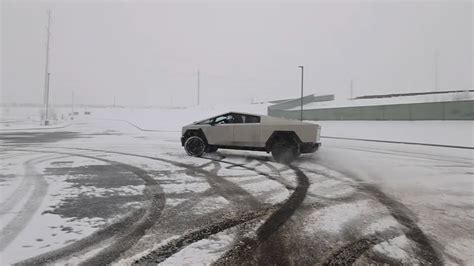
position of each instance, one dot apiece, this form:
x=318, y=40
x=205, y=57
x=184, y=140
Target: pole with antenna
x=46, y=77
x=46, y=121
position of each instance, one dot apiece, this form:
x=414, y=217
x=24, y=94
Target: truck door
x=221, y=131
x=247, y=131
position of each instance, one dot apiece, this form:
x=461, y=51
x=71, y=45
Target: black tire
x=195, y=146
x=211, y=149
x=285, y=151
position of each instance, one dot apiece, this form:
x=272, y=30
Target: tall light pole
x=436, y=70
x=352, y=89
x=72, y=105
x=198, y=86
x=302, y=78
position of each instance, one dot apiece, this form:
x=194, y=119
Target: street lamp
x=302, y=75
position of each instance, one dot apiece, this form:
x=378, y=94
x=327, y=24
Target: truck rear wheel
x=285, y=151
x=195, y=146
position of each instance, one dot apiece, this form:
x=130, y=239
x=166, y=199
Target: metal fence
x=454, y=110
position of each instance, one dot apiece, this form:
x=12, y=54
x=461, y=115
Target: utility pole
x=302, y=78
x=72, y=105
x=436, y=70
x=46, y=77
x=198, y=86
x=46, y=121
x=352, y=89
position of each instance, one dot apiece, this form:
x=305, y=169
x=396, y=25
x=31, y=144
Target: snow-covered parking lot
x=103, y=190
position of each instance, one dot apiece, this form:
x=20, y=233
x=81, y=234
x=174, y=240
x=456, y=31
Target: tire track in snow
x=251, y=210
x=243, y=250
x=232, y=192
x=348, y=254
x=401, y=213
x=223, y=187
x=162, y=253
x=426, y=252
x=236, y=195
x=261, y=160
x=220, y=184
x=265, y=162
x=20, y=192
x=398, y=211
x=37, y=184
x=273, y=249
x=137, y=230
x=240, y=198
x=86, y=243
x=130, y=229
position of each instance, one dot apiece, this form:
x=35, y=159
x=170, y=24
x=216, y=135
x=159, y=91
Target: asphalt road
x=106, y=192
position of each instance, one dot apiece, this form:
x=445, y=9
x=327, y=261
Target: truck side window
x=224, y=119
x=252, y=119
x=220, y=120
x=238, y=119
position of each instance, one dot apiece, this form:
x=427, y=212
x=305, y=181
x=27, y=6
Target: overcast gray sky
x=149, y=52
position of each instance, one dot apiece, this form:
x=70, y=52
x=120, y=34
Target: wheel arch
x=195, y=132
x=281, y=135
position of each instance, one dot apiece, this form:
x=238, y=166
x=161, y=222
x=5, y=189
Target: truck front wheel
x=195, y=146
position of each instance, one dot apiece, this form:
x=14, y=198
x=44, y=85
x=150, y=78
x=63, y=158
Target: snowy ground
x=455, y=133
x=100, y=190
